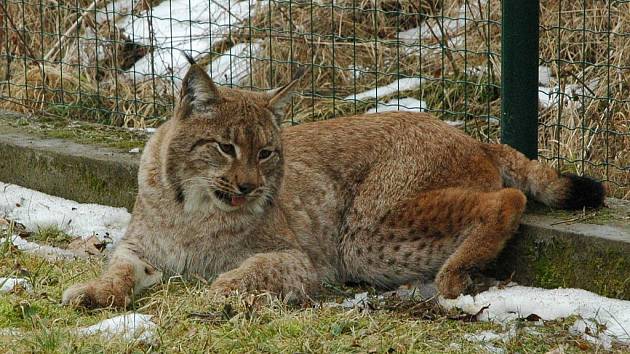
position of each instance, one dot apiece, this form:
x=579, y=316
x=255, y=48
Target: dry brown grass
x=591, y=130
x=72, y=83
x=353, y=46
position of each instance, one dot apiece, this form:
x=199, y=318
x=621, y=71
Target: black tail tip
x=583, y=192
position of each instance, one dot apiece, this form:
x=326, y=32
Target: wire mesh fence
x=121, y=62
x=584, y=120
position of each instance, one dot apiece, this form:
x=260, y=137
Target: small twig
x=444, y=42
x=59, y=44
x=575, y=219
x=287, y=19
x=584, y=85
x=226, y=10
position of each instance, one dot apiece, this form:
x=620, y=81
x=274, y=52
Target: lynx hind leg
x=126, y=274
x=449, y=230
x=497, y=215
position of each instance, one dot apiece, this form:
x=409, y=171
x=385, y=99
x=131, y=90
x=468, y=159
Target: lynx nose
x=246, y=188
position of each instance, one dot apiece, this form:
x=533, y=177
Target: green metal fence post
x=519, y=75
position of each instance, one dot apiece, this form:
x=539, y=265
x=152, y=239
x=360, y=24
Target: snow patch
x=133, y=326
x=9, y=284
x=364, y=301
x=233, y=66
x=544, y=75
x=148, y=131
x=45, y=251
x=570, y=95
x=454, y=123
x=589, y=331
x=484, y=336
x=359, y=300
x=435, y=29
x=407, y=104
x=189, y=25
x=397, y=86
x=357, y=71
x=519, y=302
x=35, y=210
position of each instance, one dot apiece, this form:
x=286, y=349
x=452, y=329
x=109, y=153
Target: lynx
x=228, y=195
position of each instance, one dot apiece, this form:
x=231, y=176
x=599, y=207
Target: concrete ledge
x=87, y=174
x=552, y=248
x=550, y=253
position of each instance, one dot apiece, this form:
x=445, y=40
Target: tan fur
x=387, y=199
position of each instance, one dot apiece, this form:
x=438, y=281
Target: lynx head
x=225, y=153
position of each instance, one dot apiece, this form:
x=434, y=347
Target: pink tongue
x=237, y=200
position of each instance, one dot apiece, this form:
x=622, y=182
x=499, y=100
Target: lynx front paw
x=451, y=283
x=96, y=294
x=227, y=285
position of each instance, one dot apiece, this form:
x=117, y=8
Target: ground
x=187, y=321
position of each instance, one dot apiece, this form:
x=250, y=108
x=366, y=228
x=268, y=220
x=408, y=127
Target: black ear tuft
x=583, y=192
x=198, y=92
x=188, y=57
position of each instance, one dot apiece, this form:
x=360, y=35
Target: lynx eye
x=264, y=154
x=227, y=149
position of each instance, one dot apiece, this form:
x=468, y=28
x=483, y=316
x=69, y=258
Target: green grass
x=51, y=235
x=190, y=323
x=77, y=131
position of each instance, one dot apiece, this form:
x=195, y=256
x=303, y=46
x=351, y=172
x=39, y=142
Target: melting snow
x=544, y=75
x=520, y=301
x=48, y=252
x=400, y=104
x=435, y=29
x=233, y=66
x=35, y=210
x=485, y=338
x=132, y=326
x=360, y=300
x=9, y=284
x=190, y=25
x=397, y=86
x=570, y=95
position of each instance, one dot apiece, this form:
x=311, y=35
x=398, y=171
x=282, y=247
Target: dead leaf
x=18, y=269
x=503, y=284
x=16, y=227
x=468, y=317
x=224, y=315
x=583, y=345
x=533, y=318
x=192, y=332
x=91, y=246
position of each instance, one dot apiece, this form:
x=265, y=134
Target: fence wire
x=120, y=63
x=584, y=120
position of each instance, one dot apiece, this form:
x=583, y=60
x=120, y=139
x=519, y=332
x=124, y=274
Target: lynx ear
x=279, y=98
x=198, y=92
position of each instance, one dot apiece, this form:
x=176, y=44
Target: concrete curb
x=547, y=252
x=84, y=173
x=550, y=253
